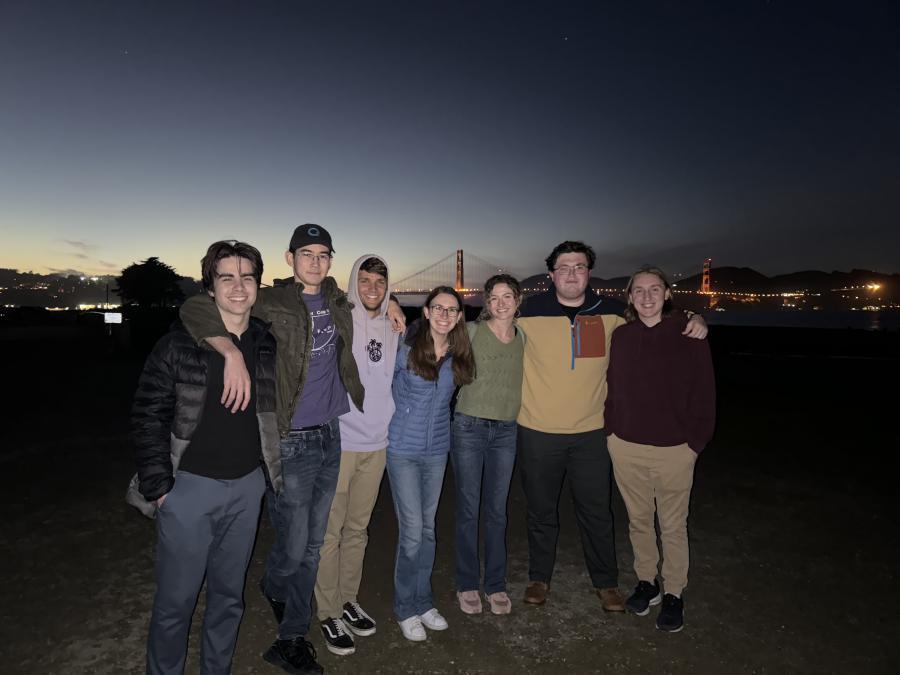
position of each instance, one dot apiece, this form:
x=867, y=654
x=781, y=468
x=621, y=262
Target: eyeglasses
x=309, y=256
x=449, y=311
x=566, y=270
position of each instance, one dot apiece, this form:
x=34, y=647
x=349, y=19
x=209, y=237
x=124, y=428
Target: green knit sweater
x=496, y=393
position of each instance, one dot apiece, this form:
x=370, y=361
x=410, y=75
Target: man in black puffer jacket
x=202, y=470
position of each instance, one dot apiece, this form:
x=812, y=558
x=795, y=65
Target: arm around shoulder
x=395, y=315
x=696, y=326
x=201, y=318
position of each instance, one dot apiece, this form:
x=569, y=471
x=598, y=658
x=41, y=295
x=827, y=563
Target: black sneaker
x=336, y=638
x=671, y=616
x=645, y=594
x=296, y=656
x=357, y=620
x=276, y=605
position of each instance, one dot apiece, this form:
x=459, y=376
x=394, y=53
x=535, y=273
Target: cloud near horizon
x=81, y=245
x=83, y=250
x=67, y=272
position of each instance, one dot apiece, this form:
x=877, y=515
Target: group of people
x=308, y=395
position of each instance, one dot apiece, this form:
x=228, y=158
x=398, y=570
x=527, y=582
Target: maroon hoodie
x=662, y=390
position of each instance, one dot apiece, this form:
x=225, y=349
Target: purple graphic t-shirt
x=323, y=397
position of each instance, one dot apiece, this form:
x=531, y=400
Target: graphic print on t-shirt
x=322, y=334
x=374, y=350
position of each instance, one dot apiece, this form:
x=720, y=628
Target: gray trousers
x=205, y=528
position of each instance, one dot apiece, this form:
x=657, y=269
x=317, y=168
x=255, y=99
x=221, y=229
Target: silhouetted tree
x=150, y=283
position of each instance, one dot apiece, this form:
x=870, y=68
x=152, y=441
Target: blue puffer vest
x=421, y=421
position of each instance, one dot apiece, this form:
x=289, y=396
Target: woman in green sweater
x=483, y=450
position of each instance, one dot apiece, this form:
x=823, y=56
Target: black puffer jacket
x=169, y=402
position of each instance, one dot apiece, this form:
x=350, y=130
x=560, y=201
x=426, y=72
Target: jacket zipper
x=428, y=438
x=308, y=351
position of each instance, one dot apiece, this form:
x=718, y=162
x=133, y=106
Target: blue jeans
x=416, y=482
x=310, y=461
x=205, y=528
x=485, y=449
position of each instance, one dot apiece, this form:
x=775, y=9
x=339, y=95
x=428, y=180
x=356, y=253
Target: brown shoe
x=536, y=592
x=610, y=599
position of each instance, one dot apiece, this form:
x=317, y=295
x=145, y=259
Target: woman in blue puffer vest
x=433, y=359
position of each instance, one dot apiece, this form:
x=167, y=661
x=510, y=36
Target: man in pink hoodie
x=363, y=446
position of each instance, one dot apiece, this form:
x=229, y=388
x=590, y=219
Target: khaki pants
x=648, y=473
x=346, y=536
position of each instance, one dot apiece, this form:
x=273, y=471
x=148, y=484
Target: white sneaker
x=413, y=629
x=433, y=620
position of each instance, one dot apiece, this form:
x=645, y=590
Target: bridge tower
x=705, y=280
x=460, y=276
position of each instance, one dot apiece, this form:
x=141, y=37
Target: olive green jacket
x=282, y=306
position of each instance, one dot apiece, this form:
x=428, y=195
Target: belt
x=486, y=419
x=314, y=427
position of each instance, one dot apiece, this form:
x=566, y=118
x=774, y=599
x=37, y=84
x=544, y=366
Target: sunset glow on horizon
x=763, y=135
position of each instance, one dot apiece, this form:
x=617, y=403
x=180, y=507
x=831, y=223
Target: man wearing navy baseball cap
x=304, y=235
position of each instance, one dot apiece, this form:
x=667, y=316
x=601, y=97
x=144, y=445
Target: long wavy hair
x=502, y=278
x=422, y=357
x=668, y=306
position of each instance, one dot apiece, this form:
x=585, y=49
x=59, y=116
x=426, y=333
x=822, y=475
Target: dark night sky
x=762, y=134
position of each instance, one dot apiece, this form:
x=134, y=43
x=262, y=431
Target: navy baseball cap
x=310, y=233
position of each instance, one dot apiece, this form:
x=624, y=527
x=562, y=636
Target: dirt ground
x=793, y=538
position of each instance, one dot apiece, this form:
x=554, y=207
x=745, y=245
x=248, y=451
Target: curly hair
x=507, y=279
x=571, y=247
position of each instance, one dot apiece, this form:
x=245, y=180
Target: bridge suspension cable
x=463, y=273
x=440, y=273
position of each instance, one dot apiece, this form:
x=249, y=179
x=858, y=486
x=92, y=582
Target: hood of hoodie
x=375, y=350
x=353, y=286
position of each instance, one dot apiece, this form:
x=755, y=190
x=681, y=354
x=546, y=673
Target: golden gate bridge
x=466, y=273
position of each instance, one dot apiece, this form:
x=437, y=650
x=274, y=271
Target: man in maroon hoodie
x=660, y=413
